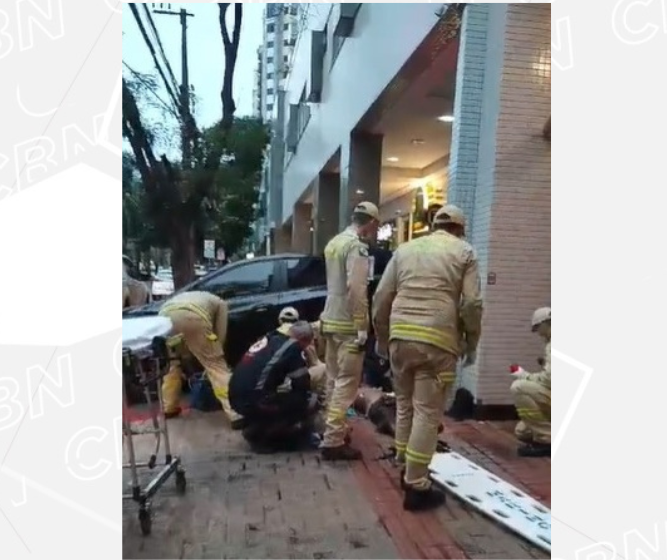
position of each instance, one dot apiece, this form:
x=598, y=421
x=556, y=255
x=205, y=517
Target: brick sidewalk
x=240, y=505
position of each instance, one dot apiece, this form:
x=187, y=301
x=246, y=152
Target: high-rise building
x=280, y=30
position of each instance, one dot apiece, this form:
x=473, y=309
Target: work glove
x=381, y=352
x=362, y=337
x=470, y=359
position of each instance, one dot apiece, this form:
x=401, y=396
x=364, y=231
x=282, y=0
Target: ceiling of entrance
x=414, y=139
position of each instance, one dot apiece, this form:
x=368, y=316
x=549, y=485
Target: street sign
x=209, y=249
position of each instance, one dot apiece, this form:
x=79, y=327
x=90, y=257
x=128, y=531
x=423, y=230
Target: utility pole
x=185, y=80
x=277, y=125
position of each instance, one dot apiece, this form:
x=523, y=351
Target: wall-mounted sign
x=491, y=278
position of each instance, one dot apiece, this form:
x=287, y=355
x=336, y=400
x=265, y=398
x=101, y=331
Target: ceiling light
x=446, y=118
x=392, y=159
x=418, y=141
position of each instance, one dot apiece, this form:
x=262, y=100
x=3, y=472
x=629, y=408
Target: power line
x=156, y=36
x=147, y=40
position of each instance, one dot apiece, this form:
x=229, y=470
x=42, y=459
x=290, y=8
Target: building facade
x=280, y=31
x=412, y=106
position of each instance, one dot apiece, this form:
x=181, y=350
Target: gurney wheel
x=180, y=481
x=145, y=520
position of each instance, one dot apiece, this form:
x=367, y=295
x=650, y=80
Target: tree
x=182, y=195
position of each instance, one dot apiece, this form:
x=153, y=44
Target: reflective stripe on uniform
x=419, y=458
x=429, y=335
x=331, y=326
x=530, y=414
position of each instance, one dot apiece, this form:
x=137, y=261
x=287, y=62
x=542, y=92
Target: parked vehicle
x=257, y=289
x=163, y=284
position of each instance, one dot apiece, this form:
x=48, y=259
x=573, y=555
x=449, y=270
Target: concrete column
x=360, y=172
x=326, y=210
x=282, y=239
x=500, y=175
x=301, y=223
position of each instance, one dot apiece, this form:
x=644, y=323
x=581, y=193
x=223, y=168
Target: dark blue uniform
x=255, y=380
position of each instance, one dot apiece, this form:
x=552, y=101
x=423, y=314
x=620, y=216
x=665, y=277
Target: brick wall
x=519, y=250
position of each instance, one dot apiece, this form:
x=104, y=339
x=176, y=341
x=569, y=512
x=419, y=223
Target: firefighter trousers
x=533, y=406
x=344, y=363
x=423, y=377
x=197, y=337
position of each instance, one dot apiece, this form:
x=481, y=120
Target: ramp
x=493, y=497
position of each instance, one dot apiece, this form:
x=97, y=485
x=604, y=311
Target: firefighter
x=345, y=324
x=532, y=396
x=201, y=320
x=427, y=300
x=275, y=417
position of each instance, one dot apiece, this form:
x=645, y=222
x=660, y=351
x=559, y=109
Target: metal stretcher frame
x=159, y=356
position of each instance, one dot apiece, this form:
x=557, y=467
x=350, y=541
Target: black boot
x=422, y=500
x=534, y=449
x=341, y=453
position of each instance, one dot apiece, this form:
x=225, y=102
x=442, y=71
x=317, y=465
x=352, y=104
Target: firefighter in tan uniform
x=532, y=396
x=345, y=325
x=427, y=303
x=201, y=319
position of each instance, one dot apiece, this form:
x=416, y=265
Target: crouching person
x=532, y=397
x=277, y=414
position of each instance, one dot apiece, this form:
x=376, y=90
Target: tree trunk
x=182, y=244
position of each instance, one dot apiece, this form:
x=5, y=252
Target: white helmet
x=540, y=316
x=288, y=315
x=450, y=214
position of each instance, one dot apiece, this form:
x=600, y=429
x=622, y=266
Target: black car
x=257, y=289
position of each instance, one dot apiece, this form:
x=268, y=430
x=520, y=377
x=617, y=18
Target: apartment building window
x=344, y=27
x=269, y=76
x=269, y=91
x=269, y=44
x=286, y=26
x=269, y=60
x=269, y=108
x=270, y=27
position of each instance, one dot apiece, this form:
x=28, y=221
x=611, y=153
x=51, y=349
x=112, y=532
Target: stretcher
x=146, y=356
x=493, y=497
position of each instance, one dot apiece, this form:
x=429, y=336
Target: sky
x=205, y=53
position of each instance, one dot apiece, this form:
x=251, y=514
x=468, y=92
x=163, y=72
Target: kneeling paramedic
x=200, y=318
x=275, y=416
x=532, y=396
x=316, y=368
x=430, y=288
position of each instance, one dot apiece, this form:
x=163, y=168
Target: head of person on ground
x=366, y=220
x=541, y=323
x=302, y=332
x=451, y=219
